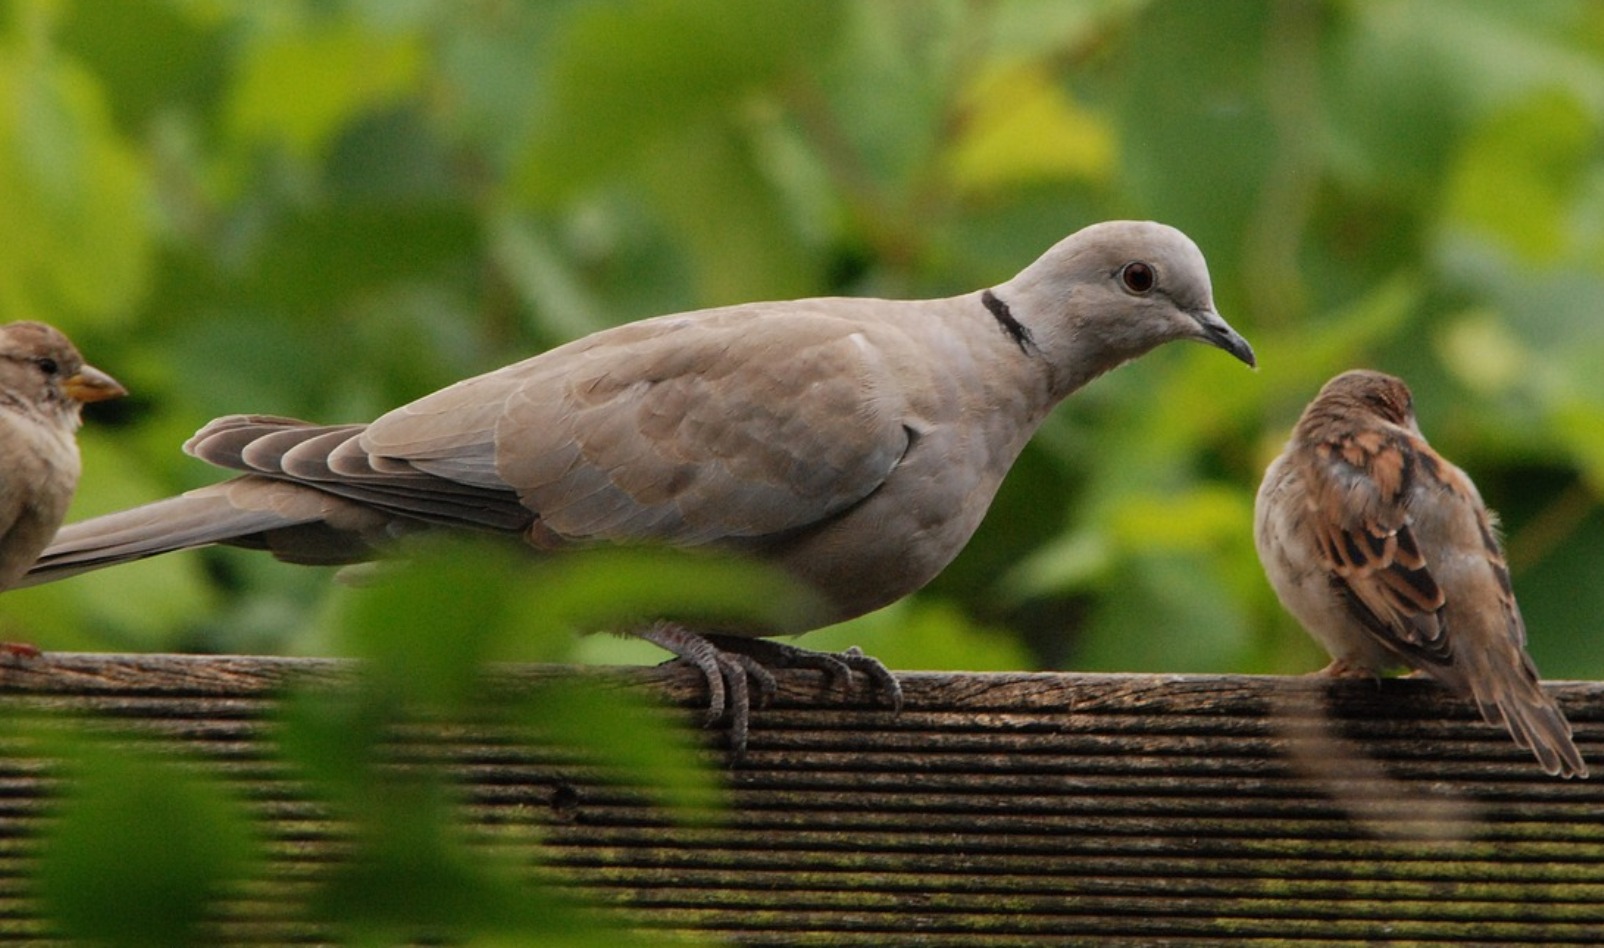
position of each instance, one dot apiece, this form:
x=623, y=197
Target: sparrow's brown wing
x=1360, y=486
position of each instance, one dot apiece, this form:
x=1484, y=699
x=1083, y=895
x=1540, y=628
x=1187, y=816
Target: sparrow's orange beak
x=89, y=384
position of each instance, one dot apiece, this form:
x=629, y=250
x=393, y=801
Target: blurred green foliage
x=428, y=630
x=141, y=850
x=148, y=844
x=324, y=209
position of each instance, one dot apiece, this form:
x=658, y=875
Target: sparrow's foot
x=1342, y=669
x=20, y=651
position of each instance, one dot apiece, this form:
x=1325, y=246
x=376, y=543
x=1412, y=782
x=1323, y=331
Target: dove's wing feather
x=680, y=430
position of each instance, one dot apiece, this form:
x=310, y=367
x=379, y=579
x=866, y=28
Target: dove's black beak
x=1218, y=333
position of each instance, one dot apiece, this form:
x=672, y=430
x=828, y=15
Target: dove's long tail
x=200, y=518
x=308, y=498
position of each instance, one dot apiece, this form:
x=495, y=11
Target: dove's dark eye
x=1137, y=276
x=47, y=365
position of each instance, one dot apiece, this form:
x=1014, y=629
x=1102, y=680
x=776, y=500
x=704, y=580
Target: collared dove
x=856, y=443
x=1386, y=554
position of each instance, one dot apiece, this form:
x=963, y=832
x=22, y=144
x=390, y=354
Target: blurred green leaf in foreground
x=144, y=847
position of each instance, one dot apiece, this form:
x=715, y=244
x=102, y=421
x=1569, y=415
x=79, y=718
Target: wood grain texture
x=996, y=809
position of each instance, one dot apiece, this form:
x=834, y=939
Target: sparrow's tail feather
x=1516, y=701
x=294, y=523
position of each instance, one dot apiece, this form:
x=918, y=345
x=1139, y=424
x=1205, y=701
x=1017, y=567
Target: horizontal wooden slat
x=996, y=809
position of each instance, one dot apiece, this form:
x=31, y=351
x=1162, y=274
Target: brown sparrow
x=43, y=384
x=1386, y=554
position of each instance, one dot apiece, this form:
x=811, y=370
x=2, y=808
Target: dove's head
x=42, y=374
x=1112, y=291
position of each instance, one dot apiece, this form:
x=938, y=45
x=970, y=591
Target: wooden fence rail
x=996, y=809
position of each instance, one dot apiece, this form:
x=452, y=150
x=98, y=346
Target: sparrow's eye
x=1137, y=276
x=47, y=365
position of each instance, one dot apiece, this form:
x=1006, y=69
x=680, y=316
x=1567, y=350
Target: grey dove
x=1387, y=555
x=856, y=443
x=44, y=384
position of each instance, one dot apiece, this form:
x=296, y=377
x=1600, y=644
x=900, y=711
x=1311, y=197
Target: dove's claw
x=837, y=666
x=735, y=667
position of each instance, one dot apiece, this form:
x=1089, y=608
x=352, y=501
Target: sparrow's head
x=1368, y=392
x=1112, y=291
x=42, y=373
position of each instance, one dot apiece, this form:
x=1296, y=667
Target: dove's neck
x=1064, y=352
x=990, y=364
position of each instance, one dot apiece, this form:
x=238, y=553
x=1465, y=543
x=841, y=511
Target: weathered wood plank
x=996, y=809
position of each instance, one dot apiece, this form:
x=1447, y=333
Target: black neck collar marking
x=1005, y=319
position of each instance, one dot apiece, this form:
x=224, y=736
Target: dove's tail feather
x=1518, y=703
x=298, y=531
x=311, y=496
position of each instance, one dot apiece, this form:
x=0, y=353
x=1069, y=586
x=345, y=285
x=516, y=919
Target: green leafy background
x=324, y=209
